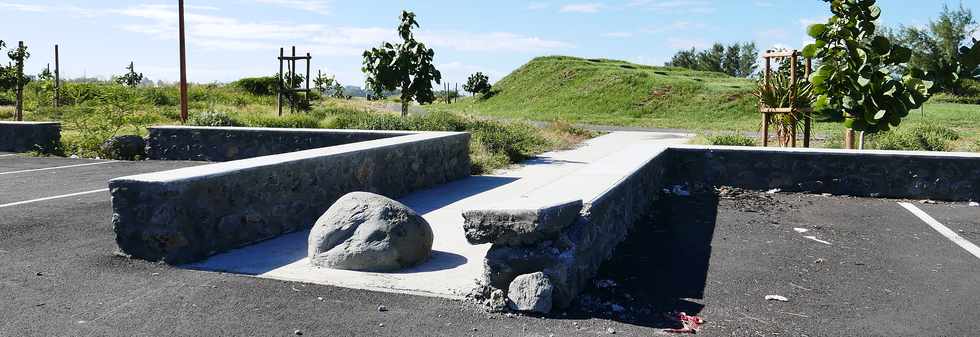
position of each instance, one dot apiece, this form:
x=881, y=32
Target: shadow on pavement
x=659, y=270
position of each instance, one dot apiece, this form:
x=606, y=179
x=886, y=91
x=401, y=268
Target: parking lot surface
x=847, y=266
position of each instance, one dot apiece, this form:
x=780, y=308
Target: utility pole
x=183, y=64
x=57, y=78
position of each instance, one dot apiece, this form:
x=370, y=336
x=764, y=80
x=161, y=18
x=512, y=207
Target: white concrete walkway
x=455, y=264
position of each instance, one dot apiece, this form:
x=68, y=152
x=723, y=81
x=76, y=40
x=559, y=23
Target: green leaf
x=810, y=51
x=816, y=30
x=874, y=12
x=863, y=82
x=881, y=45
x=880, y=114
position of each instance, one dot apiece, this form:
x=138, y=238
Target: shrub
x=259, y=86
x=213, y=118
x=731, y=139
x=919, y=138
x=292, y=121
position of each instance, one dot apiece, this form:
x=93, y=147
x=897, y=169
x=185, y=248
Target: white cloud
x=490, y=42
x=316, y=6
x=684, y=6
x=581, y=8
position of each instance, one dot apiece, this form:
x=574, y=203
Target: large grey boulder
x=531, y=292
x=503, y=225
x=368, y=232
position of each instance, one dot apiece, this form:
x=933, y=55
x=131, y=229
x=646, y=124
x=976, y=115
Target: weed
x=730, y=139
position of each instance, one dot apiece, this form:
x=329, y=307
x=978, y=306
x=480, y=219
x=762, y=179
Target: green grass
x=610, y=92
x=94, y=112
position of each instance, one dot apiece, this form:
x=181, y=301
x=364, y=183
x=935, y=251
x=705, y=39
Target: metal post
x=183, y=63
x=57, y=78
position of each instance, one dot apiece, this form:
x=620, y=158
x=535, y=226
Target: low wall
x=617, y=194
x=612, y=207
x=218, y=144
x=29, y=136
x=185, y=215
x=885, y=174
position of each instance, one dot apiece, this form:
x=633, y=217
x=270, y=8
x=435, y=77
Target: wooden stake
x=280, y=85
x=19, y=110
x=183, y=63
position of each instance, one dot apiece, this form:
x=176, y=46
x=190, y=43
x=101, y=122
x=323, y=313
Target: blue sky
x=229, y=39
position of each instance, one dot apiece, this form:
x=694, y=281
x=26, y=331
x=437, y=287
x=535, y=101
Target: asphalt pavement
x=869, y=268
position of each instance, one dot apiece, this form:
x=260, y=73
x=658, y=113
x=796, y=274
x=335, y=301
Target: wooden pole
x=792, y=97
x=849, y=139
x=19, y=110
x=183, y=63
x=292, y=76
x=280, y=85
x=57, y=78
x=808, y=116
x=765, y=116
x=308, y=58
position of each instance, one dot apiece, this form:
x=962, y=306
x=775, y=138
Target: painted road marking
x=945, y=231
x=56, y=168
x=8, y=155
x=54, y=197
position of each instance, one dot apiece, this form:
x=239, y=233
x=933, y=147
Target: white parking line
x=56, y=168
x=8, y=155
x=945, y=231
x=54, y=197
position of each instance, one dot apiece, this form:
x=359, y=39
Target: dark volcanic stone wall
x=227, y=144
x=210, y=209
x=29, y=136
x=935, y=176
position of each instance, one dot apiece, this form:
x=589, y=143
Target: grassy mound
x=601, y=91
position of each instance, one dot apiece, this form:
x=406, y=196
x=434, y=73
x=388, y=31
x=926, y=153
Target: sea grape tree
x=862, y=73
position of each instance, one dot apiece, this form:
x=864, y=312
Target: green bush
x=293, y=121
x=918, y=138
x=731, y=139
x=213, y=118
x=259, y=86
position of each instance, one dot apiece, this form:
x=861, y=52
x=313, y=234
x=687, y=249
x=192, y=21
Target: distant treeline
x=739, y=59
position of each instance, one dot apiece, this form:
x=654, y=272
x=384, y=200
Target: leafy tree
x=937, y=48
x=739, y=60
x=12, y=76
x=478, y=83
x=338, y=90
x=131, y=78
x=322, y=82
x=857, y=74
x=406, y=66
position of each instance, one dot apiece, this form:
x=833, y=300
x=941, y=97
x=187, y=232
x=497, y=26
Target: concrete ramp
x=456, y=264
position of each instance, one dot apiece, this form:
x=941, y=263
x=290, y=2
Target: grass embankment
x=94, y=112
x=610, y=92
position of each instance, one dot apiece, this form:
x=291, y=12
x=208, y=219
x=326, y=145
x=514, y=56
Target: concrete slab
x=456, y=264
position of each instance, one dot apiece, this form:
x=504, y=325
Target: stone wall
x=220, y=144
x=885, y=174
x=189, y=214
x=29, y=136
x=572, y=260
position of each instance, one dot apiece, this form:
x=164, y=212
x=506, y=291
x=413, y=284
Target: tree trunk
x=19, y=110
x=404, y=108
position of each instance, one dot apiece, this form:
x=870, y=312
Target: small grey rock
x=531, y=292
x=368, y=232
x=497, y=301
